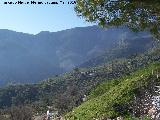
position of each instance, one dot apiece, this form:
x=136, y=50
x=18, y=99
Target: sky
x=29, y=18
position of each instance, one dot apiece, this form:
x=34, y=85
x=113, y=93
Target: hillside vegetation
x=115, y=97
x=64, y=92
x=109, y=87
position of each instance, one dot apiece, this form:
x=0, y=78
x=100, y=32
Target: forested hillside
x=108, y=71
x=66, y=91
x=129, y=97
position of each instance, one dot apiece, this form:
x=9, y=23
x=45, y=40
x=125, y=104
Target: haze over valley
x=27, y=58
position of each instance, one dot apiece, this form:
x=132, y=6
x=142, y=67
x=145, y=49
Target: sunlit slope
x=101, y=101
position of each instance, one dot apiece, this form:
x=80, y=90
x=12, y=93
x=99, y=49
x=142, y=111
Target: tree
x=21, y=113
x=139, y=15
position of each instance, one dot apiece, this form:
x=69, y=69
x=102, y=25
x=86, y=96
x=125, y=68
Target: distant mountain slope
x=129, y=47
x=64, y=92
x=26, y=58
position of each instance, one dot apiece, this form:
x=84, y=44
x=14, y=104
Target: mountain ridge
x=29, y=58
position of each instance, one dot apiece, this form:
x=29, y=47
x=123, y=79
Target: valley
x=106, y=76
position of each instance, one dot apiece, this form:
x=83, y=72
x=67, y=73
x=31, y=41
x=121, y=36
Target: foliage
x=17, y=113
x=66, y=91
x=138, y=15
x=116, y=97
x=21, y=113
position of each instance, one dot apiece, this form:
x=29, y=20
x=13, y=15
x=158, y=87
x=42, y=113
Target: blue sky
x=35, y=18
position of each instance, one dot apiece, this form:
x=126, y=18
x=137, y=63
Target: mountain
x=27, y=58
x=109, y=86
x=129, y=47
x=110, y=89
x=65, y=91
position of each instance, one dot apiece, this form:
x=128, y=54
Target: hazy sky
x=35, y=18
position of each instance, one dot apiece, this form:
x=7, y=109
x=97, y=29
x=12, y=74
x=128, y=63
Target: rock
x=119, y=118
